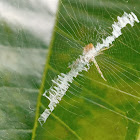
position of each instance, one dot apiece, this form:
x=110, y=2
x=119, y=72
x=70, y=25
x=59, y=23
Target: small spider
x=86, y=50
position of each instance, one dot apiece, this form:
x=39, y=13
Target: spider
x=86, y=50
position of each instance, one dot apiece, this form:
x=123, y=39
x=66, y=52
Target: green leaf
x=22, y=58
x=93, y=108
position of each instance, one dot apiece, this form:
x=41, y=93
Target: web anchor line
x=62, y=83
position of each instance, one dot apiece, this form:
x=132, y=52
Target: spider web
x=91, y=108
x=101, y=104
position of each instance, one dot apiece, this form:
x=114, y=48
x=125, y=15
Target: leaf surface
x=93, y=108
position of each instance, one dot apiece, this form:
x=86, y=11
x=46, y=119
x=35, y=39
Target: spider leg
x=97, y=66
x=100, y=53
x=104, y=49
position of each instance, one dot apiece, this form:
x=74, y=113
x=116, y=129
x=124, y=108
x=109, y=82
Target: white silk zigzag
x=62, y=83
